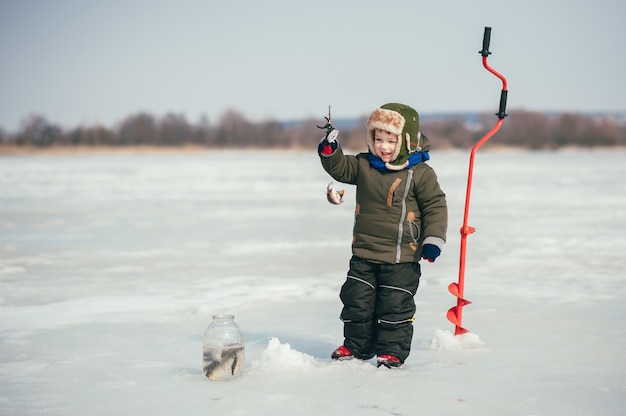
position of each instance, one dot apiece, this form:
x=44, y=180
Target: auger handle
x=486, y=40
x=502, y=110
x=485, y=53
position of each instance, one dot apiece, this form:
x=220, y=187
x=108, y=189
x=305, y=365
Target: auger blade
x=452, y=316
x=459, y=330
x=463, y=302
x=453, y=288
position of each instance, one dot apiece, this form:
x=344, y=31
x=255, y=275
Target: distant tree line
x=526, y=129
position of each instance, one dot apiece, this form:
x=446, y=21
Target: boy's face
x=385, y=144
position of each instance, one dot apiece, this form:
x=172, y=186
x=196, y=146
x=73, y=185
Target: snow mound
x=279, y=357
x=446, y=341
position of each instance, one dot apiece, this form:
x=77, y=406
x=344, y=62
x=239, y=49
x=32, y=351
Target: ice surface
x=111, y=267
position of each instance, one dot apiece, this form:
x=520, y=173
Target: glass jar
x=223, y=352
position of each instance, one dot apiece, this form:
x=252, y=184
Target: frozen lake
x=111, y=266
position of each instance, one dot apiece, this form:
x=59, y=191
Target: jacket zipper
x=403, y=215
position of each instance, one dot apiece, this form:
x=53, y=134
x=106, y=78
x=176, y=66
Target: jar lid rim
x=223, y=316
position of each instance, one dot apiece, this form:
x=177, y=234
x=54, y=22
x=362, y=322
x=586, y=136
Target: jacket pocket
x=414, y=230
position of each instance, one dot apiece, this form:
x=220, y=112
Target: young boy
x=401, y=217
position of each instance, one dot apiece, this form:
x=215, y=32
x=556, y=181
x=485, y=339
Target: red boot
x=389, y=361
x=342, y=353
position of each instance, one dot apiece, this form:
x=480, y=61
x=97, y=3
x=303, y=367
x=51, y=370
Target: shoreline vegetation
x=143, y=133
x=29, y=150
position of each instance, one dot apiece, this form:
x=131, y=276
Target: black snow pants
x=379, y=308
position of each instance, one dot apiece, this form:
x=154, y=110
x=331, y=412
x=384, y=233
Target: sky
x=97, y=62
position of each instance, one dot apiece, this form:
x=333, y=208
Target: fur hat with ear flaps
x=403, y=121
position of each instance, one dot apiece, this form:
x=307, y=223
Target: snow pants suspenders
x=379, y=308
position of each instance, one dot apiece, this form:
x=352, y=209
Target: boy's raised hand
x=328, y=144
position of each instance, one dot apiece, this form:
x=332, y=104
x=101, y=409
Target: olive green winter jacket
x=396, y=211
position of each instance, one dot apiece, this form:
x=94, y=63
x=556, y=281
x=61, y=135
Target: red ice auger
x=455, y=314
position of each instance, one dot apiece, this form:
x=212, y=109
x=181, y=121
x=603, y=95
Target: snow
x=111, y=266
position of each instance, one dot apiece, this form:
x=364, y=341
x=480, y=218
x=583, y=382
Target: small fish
x=333, y=196
x=228, y=364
